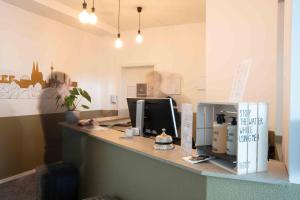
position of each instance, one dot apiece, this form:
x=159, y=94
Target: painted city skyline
x=32, y=86
x=36, y=77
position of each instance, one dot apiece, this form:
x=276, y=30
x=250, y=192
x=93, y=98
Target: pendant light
x=119, y=42
x=93, y=16
x=84, y=16
x=139, y=37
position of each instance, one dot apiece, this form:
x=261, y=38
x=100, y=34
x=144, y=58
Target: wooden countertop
x=276, y=173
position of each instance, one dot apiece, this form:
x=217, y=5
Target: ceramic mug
x=129, y=132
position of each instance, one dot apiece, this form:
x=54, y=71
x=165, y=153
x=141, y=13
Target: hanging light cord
x=139, y=9
x=84, y=5
x=139, y=22
x=93, y=8
x=119, y=18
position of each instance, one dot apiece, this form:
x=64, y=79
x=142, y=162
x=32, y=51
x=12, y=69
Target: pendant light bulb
x=139, y=38
x=84, y=16
x=93, y=16
x=118, y=42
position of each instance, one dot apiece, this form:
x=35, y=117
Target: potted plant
x=71, y=103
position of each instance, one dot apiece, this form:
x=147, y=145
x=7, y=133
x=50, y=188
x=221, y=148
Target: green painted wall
x=234, y=189
x=108, y=169
x=29, y=141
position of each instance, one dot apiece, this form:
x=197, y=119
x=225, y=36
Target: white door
x=130, y=77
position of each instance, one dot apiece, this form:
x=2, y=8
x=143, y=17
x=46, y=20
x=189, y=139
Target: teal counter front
x=131, y=169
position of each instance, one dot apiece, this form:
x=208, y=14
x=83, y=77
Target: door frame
x=122, y=68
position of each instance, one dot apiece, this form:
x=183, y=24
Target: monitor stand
x=139, y=117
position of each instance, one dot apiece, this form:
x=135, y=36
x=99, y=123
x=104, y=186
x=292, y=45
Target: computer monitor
x=159, y=113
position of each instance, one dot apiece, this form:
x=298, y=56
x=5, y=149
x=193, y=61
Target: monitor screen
x=159, y=113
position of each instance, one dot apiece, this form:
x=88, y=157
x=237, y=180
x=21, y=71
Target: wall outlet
x=113, y=99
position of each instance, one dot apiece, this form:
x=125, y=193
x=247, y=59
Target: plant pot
x=72, y=117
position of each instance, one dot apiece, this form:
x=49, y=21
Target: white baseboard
x=17, y=176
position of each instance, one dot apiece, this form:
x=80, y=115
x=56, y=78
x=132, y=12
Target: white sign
x=252, y=138
x=240, y=81
x=187, y=127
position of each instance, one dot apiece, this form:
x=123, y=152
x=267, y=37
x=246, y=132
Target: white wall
x=92, y=60
x=181, y=50
x=26, y=37
x=237, y=30
x=294, y=125
x=173, y=50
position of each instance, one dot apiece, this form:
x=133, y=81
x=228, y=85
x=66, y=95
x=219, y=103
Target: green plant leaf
x=71, y=101
x=80, y=91
x=58, y=97
x=86, y=95
x=85, y=106
x=74, y=91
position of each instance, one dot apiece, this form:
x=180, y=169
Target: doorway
x=130, y=77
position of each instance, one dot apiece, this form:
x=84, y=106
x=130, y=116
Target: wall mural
x=32, y=87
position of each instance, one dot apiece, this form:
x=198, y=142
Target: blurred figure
x=57, y=84
x=154, y=81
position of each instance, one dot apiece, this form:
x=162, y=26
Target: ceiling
x=155, y=12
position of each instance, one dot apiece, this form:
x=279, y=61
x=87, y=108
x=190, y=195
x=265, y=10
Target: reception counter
x=131, y=169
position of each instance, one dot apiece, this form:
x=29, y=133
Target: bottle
x=219, y=135
x=232, y=137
